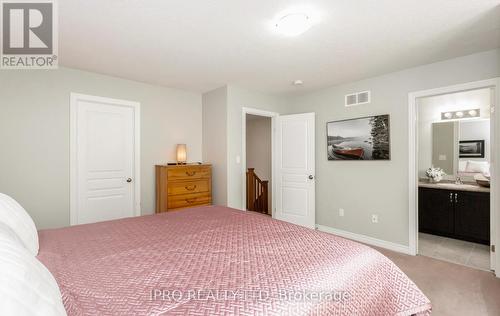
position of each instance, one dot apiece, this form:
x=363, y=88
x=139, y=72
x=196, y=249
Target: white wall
x=215, y=141
x=363, y=188
x=34, y=134
x=259, y=147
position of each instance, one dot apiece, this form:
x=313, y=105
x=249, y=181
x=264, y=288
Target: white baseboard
x=366, y=239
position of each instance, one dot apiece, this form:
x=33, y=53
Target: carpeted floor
x=453, y=289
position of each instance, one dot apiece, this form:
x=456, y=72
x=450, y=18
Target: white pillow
x=13, y=215
x=26, y=286
x=477, y=166
x=9, y=237
x=462, y=165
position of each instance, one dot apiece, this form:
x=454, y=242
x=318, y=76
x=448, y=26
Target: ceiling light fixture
x=298, y=82
x=293, y=24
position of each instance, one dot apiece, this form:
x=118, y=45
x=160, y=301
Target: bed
x=220, y=261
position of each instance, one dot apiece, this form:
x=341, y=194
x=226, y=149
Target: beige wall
x=378, y=187
x=259, y=146
x=444, y=147
x=230, y=100
x=215, y=141
x=34, y=134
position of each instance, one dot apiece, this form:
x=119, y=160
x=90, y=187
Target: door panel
x=294, y=135
x=296, y=169
x=105, y=160
x=436, y=211
x=472, y=219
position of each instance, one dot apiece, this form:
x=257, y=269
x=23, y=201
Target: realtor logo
x=29, y=34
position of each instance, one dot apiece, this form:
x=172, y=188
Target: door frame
x=136, y=106
x=274, y=118
x=493, y=84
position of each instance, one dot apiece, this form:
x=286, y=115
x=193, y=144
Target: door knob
x=311, y=177
x=129, y=180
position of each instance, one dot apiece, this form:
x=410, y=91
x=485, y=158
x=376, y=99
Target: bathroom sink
x=453, y=186
x=457, y=186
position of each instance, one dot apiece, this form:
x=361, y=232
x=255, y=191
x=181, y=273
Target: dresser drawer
x=188, y=187
x=189, y=200
x=188, y=172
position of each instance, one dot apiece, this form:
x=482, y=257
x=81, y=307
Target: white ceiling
x=201, y=45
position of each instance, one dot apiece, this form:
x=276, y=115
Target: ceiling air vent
x=357, y=98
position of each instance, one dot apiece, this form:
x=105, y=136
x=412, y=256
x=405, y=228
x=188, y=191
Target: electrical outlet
x=341, y=212
x=375, y=218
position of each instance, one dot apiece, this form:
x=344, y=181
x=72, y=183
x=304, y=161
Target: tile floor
x=456, y=251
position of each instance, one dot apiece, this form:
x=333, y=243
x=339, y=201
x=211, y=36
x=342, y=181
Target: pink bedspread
x=220, y=261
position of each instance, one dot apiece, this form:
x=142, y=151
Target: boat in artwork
x=348, y=152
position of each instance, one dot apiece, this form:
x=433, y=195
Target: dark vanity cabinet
x=456, y=214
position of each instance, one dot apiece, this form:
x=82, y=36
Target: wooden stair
x=257, y=193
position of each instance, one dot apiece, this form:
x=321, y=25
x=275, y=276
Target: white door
x=104, y=159
x=295, y=169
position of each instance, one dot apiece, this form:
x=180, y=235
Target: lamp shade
x=181, y=153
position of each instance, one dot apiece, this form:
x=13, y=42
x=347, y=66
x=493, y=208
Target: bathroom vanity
x=460, y=211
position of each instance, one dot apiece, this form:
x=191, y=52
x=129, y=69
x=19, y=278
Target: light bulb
x=293, y=24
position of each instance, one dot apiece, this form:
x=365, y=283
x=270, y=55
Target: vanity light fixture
x=473, y=113
x=458, y=115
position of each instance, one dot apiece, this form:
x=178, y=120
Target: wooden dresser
x=181, y=186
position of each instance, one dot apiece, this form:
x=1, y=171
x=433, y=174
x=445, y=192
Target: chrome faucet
x=458, y=180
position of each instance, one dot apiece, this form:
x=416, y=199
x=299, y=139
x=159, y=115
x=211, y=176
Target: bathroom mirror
x=461, y=148
x=454, y=134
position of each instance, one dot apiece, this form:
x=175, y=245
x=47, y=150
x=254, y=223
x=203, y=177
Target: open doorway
x=258, y=128
x=454, y=177
x=259, y=164
x=465, y=209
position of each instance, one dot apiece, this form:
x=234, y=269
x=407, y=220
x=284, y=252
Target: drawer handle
x=191, y=200
x=190, y=188
x=190, y=173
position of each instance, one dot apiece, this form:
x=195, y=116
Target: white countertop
x=452, y=186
